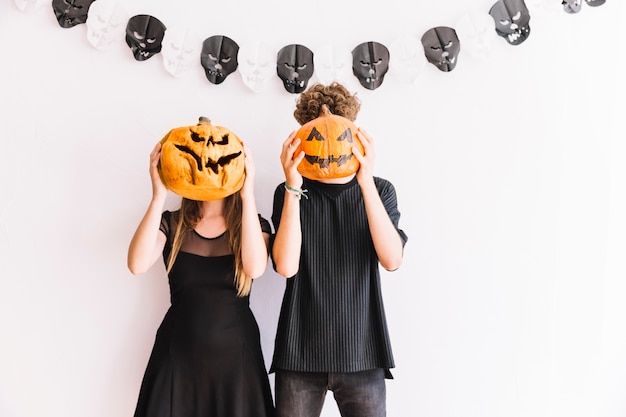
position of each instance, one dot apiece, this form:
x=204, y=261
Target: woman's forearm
x=253, y=241
x=147, y=242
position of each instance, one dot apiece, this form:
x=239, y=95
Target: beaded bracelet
x=297, y=191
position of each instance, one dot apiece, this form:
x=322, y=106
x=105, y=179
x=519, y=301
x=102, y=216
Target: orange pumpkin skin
x=327, y=143
x=202, y=162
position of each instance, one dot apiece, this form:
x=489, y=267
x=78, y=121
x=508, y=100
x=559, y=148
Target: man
x=331, y=236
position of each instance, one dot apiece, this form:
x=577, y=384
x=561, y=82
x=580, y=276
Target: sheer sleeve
x=265, y=225
x=165, y=226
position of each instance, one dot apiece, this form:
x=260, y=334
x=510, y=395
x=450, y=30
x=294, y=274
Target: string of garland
x=220, y=56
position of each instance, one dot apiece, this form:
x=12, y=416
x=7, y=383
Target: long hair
x=188, y=217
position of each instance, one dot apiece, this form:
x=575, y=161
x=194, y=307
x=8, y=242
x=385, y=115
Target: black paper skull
x=70, y=13
x=572, y=6
x=441, y=47
x=294, y=66
x=144, y=36
x=219, y=58
x=370, y=63
x=512, y=20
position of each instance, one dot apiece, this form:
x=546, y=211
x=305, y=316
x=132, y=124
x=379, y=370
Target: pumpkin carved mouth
x=325, y=162
x=211, y=164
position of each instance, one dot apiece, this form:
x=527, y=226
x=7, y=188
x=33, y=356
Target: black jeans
x=358, y=394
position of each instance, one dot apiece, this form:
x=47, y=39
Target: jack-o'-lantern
x=202, y=162
x=327, y=143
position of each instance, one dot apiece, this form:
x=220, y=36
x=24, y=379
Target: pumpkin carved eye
x=197, y=138
x=328, y=147
x=315, y=134
x=202, y=162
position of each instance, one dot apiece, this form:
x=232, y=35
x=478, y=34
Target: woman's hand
x=290, y=162
x=158, y=188
x=366, y=159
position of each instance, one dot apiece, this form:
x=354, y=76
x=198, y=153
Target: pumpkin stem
x=325, y=111
x=202, y=120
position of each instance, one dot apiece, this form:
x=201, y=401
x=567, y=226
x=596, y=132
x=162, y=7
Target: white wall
x=511, y=182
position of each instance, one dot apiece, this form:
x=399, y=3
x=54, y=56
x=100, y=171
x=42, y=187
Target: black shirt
x=332, y=317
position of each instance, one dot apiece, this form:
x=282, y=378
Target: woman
x=207, y=358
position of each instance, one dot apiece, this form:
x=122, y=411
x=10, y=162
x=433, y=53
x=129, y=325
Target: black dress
x=207, y=359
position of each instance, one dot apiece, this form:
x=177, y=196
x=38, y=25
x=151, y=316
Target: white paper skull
x=257, y=65
x=407, y=59
x=475, y=31
x=545, y=7
x=29, y=6
x=333, y=64
x=180, y=51
x=106, y=23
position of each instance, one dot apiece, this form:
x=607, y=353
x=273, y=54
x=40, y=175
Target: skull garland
x=294, y=66
x=202, y=162
x=370, y=63
x=512, y=20
x=105, y=25
x=256, y=67
x=70, y=13
x=572, y=6
x=144, y=36
x=441, y=47
x=180, y=50
x=219, y=58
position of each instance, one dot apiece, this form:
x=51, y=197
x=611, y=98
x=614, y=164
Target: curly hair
x=337, y=97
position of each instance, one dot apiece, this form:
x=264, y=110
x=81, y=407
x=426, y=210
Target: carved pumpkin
x=327, y=143
x=202, y=162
